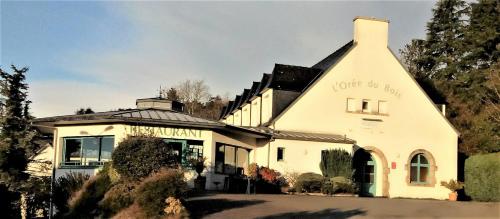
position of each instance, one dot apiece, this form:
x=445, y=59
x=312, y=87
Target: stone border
x=385, y=168
x=432, y=169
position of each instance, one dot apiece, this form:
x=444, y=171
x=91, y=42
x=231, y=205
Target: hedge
x=309, y=182
x=482, y=177
x=138, y=157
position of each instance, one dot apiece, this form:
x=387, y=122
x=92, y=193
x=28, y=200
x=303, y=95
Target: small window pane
x=72, y=150
x=219, y=159
x=229, y=160
x=424, y=171
x=423, y=160
x=91, y=149
x=414, y=160
x=107, y=145
x=280, y=154
x=241, y=160
x=413, y=174
x=365, y=106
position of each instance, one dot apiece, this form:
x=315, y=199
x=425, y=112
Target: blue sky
x=104, y=55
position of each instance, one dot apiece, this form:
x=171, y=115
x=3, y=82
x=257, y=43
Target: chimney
x=372, y=32
x=159, y=104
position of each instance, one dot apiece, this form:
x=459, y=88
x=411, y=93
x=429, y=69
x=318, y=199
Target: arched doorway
x=365, y=170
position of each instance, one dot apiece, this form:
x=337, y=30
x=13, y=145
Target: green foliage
x=38, y=197
x=459, y=58
x=119, y=196
x=137, y=157
x=309, y=182
x=337, y=185
x=336, y=162
x=84, y=202
x=16, y=137
x=482, y=177
x=152, y=192
x=64, y=186
x=452, y=185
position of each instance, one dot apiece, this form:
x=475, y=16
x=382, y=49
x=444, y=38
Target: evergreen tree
x=16, y=135
x=83, y=111
x=172, y=94
x=444, y=43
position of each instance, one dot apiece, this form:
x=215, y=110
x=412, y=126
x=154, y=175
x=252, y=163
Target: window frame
x=432, y=169
x=419, y=166
x=83, y=163
x=282, y=154
x=368, y=110
x=236, y=148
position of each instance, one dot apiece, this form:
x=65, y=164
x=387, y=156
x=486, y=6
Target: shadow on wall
x=326, y=213
x=199, y=208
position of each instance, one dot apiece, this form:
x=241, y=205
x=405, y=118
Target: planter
x=453, y=196
x=199, y=183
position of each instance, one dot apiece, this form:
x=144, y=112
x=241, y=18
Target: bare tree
x=193, y=93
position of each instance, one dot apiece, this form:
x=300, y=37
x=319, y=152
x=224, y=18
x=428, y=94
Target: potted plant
x=198, y=164
x=453, y=186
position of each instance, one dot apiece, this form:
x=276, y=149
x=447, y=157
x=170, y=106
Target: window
x=351, y=105
x=382, y=107
x=91, y=151
x=280, y=154
x=230, y=159
x=365, y=106
x=419, y=169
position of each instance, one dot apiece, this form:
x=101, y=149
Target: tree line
x=457, y=64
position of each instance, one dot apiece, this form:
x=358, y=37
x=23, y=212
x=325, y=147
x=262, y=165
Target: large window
x=231, y=159
x=87, y=151
x=419, y=169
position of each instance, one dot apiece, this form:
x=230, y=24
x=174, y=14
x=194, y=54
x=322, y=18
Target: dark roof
x=244, y=97
x=222, y=112
x=235, y=104
x=146, y=116
x=330, y=60
x=291, y=78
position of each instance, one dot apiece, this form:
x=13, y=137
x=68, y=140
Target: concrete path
x=299, y=206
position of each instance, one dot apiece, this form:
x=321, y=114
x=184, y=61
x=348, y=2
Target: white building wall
x=370, y=71
x=245, y=114
x=237, y=118
x=267, y=106
x=255, y=112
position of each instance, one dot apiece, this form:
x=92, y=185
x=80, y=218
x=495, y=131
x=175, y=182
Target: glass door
x=180, y=149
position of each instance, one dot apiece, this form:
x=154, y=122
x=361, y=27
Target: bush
x=482, y=177
x=270, y=175
x=152, y=192
x=84, y=202
x=64, y=186
x=337, y=185
x=138, y=157
x=309, y=182
x=336, y=162
x=134, y=211
x=119, y=197
x=291, y=178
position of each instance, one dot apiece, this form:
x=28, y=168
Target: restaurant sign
x=163, y=131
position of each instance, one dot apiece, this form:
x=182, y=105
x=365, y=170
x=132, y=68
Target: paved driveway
x=298, y=206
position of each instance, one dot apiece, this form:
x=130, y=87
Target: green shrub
x=119, y=197
x=137, y=157
x=309, y=182
x=152, y=192
x=64, y=186
x=336, y=162
x=482, y=177
x=84, y=202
